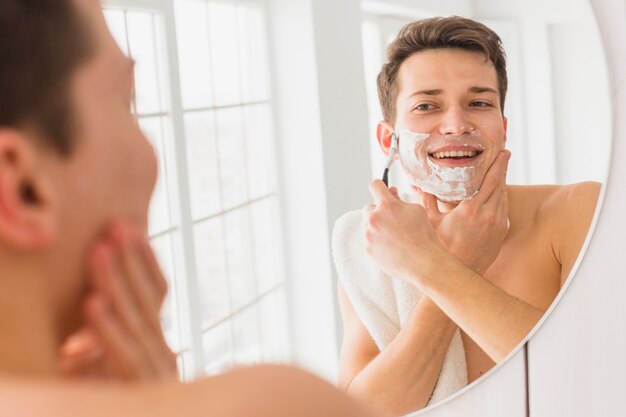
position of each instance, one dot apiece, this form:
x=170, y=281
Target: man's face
x=451, y=97
x=112, y=170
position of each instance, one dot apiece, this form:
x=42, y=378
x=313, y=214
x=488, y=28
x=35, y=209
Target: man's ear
x=506, y=124
x=27, y=220
x=383, y=134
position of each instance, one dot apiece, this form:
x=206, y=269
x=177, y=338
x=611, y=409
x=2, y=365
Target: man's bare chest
x=527, y=269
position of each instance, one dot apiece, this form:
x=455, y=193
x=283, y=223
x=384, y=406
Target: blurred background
x=262, y=115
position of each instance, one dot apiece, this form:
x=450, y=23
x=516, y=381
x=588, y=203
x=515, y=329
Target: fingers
x=146, y=282
x=429, y=202
x=500, y=193
x=503, y=208
x=123, y=356
x=106, y=273
x=496, y=177
x=394, y=192
x=129, y=357
x=125, y=311
x=81, y=354
x=82, y=341
x=115, y=318
x=82, y=364
x=380, y=192
x=154, y=270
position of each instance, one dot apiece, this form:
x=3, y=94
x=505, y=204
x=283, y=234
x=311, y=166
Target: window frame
x=188, y=320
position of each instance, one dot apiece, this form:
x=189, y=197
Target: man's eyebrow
x=479, y=89
x=427, y=93
x=435, y=92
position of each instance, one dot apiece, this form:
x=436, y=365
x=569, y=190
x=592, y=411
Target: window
x=203, y=99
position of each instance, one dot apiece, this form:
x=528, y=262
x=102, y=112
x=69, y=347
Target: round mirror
x=406, y=348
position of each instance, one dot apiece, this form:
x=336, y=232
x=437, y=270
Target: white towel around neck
x=384, y=303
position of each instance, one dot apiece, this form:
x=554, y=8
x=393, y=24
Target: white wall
x=321, y=125
x=343, y=116
x=582, y=112
x=553, y=10
x=577, y=358
x=298, y=138
x=442, y=7
x=565, y=92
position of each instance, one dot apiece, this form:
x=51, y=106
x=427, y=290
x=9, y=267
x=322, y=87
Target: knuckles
x=469, y=211
x=490, y=218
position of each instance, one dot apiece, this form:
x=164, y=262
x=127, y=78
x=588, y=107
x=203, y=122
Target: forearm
x=494, y=319
x=402, y=377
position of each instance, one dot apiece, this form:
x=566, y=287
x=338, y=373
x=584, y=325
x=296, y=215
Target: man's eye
x=480, y=104
x=424, y=107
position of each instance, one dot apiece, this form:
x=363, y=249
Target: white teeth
x=454, y=154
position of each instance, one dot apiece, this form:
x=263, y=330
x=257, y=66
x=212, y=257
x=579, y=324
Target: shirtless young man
x=446, y=77
x=76, y=176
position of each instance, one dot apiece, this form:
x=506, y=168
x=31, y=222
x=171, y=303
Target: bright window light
x=202, y=98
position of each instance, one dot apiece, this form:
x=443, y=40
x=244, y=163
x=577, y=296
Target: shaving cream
x=449, y=184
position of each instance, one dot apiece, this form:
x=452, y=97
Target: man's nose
x=455, y=122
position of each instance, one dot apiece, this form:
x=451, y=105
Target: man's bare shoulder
x=561, y=203
x=562, y=214
x=262, y=391
x=573, y=203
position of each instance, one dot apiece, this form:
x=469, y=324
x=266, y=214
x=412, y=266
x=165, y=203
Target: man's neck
x=27, y=331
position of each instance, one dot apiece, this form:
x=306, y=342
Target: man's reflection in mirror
x=434, y=292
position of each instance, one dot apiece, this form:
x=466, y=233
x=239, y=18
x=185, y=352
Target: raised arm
x=496, y=320
x=402, y=241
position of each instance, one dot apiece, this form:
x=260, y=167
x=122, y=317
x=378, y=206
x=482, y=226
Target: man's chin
x=456, y=199
x=451, y=193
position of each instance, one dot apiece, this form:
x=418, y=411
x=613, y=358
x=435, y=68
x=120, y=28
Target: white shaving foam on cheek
x=445, y=183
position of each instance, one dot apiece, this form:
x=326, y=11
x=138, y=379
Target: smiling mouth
x=455, y=155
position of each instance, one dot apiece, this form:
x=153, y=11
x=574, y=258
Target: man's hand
x=398, y=235
x=123, y=338
x=475, y=229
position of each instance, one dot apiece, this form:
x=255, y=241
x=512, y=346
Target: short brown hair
x=438, y=33
x=42, y=43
